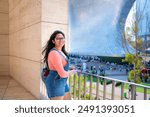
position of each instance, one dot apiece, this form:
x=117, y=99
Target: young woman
x=56, y=58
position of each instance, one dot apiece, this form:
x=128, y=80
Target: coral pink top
x=57, y=62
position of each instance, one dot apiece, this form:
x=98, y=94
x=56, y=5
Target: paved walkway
x=12, y=90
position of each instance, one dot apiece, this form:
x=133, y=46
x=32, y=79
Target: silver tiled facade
x=95, y=26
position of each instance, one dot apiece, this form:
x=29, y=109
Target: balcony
x=85, y=86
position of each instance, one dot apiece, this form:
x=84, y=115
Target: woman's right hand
x=71, y=72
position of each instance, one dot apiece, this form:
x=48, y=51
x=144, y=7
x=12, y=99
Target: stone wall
x=25, y=43
x=30, y=24
x=4, y=46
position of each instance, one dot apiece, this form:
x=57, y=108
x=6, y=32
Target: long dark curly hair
x=49, y=45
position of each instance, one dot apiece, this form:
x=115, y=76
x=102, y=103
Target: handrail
x=101, y=91
x=113, y=79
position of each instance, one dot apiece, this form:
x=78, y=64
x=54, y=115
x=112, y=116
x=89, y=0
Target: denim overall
x=56, y=85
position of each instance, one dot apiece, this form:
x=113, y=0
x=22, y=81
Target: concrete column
x=54, y=17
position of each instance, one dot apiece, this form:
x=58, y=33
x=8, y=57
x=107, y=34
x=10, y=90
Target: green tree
x=134, y=75
x=131, y=35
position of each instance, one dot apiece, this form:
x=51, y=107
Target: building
x=25, y=26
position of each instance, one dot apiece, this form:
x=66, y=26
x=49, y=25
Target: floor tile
x=10, y=89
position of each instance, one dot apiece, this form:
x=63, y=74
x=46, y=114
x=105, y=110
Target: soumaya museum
x=108, y=42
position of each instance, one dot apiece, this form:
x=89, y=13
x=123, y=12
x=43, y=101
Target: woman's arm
x=55, y=58
x=71, y=72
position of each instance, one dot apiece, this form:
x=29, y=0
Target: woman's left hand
x=72, y=68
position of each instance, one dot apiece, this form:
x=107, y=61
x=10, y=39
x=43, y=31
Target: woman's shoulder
x=53, y=53
x=56, y=53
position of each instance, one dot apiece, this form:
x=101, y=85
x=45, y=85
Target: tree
x=137, y=62
x=131, y=35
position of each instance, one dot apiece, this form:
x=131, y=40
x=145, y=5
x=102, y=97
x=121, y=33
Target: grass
x=94, y=79
x=146, y=84
x=139, y=89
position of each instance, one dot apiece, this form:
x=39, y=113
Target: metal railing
x=83, y=87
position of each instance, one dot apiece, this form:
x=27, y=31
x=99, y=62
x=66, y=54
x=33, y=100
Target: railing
x=83, y=87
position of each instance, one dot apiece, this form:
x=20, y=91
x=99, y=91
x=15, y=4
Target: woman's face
x=59, y=40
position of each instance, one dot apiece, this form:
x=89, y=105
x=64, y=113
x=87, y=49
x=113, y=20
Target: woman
x=56, y=58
